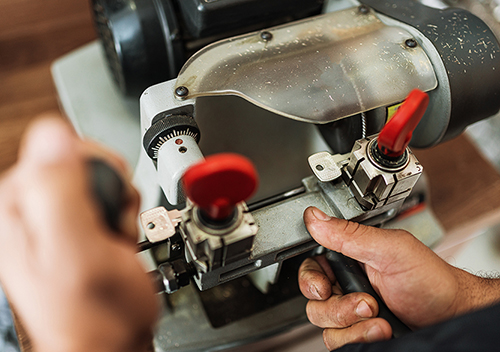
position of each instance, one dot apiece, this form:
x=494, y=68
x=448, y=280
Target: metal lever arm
x=397, y=133
x=352, y=278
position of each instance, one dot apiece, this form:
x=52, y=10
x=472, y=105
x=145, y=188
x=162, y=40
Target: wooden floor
x=465, y=188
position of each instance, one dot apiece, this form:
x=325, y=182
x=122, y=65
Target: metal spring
x=363, y=125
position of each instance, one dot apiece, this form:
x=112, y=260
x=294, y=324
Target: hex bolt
x=266, y=36
x=411, y=43
x=181, y=91
x=364, y=9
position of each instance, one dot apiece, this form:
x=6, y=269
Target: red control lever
x=396, y=134
x=219, y=182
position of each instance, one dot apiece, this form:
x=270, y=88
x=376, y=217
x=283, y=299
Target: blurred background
x=32, y=35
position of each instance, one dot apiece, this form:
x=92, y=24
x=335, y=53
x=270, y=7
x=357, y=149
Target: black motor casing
x=147, y=41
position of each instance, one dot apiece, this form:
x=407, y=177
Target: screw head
x=175, y=247
x=181, y=91
x=169, y=277
x=411, y=43
x=266, y=36
x=364, y=9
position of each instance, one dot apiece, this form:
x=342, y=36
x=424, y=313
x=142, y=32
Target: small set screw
x=175, y=247
x=364, y=9
x=181, y=91
x=411, y=43
x=266, y=36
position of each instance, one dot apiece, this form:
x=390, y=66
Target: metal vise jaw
x=376, y=182
x=212, y=246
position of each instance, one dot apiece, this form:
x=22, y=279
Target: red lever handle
x=219, y=182
x=396, y=134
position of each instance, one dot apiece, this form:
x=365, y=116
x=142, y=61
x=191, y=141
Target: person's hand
x=417, y=285
x=75, y=284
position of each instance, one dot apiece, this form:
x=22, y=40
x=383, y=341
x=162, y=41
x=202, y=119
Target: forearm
x=475, y=292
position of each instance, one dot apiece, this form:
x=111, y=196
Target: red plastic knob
x=219, y=182
x=396, y=134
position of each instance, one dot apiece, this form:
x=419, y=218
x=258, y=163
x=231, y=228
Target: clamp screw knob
x=220, y=182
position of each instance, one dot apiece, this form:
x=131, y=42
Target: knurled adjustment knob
x=220, y=182
x=166, y=128
x=389, y=149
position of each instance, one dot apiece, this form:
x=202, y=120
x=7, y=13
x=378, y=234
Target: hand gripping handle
x=352, y=278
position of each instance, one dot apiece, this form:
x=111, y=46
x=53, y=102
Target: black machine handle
x=109, y=191
x=352, y=278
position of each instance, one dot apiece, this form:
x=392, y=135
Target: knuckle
x=306, y=279
x=350, y=227
x=342, y=318
x=308, y=265
x=303, y=271
x=341, y=311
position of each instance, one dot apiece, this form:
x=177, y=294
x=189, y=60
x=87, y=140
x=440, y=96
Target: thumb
x=369, y=245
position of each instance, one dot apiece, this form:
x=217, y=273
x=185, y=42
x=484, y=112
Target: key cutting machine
x=313, y=112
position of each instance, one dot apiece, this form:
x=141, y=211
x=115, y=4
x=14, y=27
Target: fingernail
x=318, y=214
x=49, y=141
x=363, y=310
x=374, y=334
x=314, y=291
